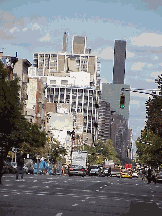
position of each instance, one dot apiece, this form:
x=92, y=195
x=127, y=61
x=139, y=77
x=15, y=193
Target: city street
x=64, y=195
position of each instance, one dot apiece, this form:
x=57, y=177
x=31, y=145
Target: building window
x=64, y=82
x=53, y=82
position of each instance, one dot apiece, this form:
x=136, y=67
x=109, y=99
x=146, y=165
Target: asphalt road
x=64, y=195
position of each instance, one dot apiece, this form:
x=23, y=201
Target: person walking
x=20, y=164
x=109, y=171
x=149, y=176
x=154, y=176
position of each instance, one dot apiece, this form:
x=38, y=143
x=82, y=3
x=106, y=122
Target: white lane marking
x=40, y=194
x=75, y=204
x=35, y=181
x=102, y=196
x=144, y=195
x=7, y=180
x=105, y=185
x=87, y=190
x=5, y=195
x=92, y=202
x=97, y=190
x=71, y=194
x=76, y=196
x=58, y=188
x=83, y=200
x=87, y=197
x=43, y=192
x=58, y=214
x=100, y=187
x=59, y=193
x=28, y=193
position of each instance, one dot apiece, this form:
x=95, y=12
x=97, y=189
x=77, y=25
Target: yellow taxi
x=126, y=174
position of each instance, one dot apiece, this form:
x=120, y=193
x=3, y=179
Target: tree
x=97, y=154
x=15, y=130
x=149, y=148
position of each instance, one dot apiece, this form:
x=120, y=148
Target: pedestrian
x=20, y=164
x=149, y=176
x=109, y=171
x=62, y=169
x=154, y=176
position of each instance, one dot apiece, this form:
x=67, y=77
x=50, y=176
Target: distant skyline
x=33, y=26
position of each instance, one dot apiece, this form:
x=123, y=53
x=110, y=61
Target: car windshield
x=77, y=166
x=94, y=167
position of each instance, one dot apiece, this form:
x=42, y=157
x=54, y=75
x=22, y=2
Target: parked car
x=135, y=174
x=7, y=167
x=126, y=174
x=77, y=170
x=159, y=177
x=94, y=170
x=116, y=172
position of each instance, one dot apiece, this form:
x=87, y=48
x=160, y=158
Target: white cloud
x=137, y=66
x=107, y=53
x=147, y=39
x=46, y=38
x=149, y=65
x=36, y=26
x=150, y=80
x=139, y=95
x=24, y=29
x=155, y=74
x=156, y=57
x=129, y=54
x=13, y=29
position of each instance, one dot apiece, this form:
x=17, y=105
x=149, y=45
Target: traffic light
x=73, y=135
x=122, y=101
x=142, y=131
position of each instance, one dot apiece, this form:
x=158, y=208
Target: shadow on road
x=142, y=209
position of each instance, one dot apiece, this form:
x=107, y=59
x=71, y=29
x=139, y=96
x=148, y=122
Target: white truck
x=79, y=158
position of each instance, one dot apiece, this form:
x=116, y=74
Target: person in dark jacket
x=149, y=176
x=20, y=165
x=109, y=171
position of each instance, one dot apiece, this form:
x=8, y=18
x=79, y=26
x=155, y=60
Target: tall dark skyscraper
x=119, y=62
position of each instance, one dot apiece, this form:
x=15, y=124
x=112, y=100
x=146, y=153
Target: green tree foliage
x=149, y=148
x=15, y=130
x=102, y=151
x=57, y=153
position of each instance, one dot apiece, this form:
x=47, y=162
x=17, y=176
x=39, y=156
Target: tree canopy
x=100, y=152
x=149, y=146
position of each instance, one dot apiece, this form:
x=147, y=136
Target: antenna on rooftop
x=65, y=41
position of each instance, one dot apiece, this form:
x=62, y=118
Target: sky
x=34, y=26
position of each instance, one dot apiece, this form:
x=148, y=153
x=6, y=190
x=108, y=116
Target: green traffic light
x=122, y=106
